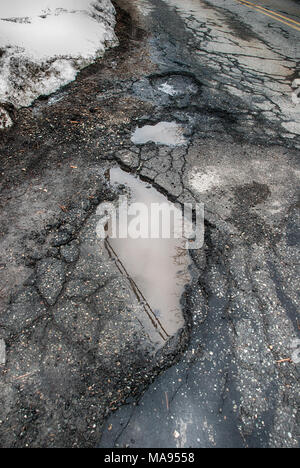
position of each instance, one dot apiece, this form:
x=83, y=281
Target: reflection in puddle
x=164, y=133
x=157, y=269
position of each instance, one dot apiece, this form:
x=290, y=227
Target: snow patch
x=5, y=120
x=44, y=43
x=163, y=133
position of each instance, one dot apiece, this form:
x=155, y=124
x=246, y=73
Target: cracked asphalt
x=77, y=367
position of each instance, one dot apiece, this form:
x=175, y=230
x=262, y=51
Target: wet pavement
x=151, y=251
x=78, y=367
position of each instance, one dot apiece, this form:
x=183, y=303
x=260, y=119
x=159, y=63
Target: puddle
x=163, y=133
x=156, y=268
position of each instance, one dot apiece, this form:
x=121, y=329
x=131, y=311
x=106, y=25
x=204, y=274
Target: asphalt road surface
x=224, y=390
x=79, y=366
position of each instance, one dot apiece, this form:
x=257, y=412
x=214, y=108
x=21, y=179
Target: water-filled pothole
x=157, y=268
x=176, y=85
x=163, y=133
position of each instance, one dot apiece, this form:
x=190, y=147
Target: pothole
x=176, y=85
x=163, y=133
x=175, y=90
x=157, y=267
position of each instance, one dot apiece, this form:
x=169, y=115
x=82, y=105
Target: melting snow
x=2, y=352
x=44, y=43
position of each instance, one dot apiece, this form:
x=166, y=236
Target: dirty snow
x=5, y=120
x=204, y=182
x=44, y=43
